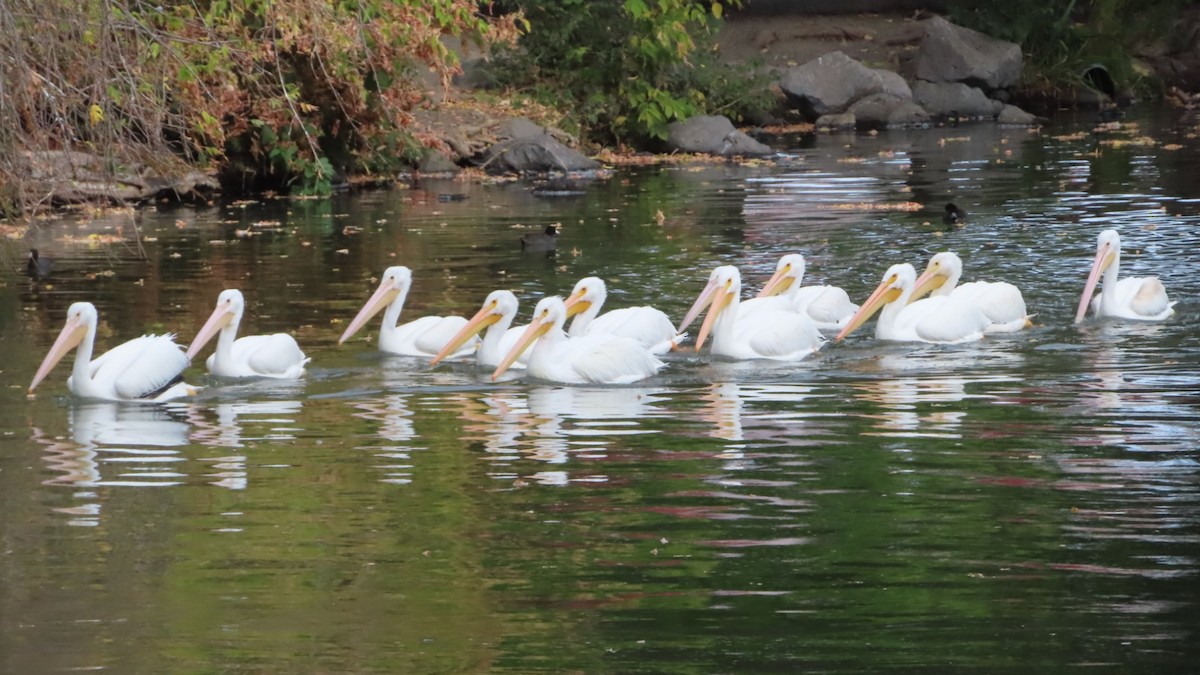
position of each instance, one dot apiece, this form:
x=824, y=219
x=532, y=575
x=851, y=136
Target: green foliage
x=1062, y=38
x=626, y=69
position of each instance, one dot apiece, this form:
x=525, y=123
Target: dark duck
x=954, y=215
x=546, y=240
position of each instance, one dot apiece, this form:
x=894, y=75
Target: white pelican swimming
x=596, y=358
x=943, y=320
x=1141, y=298
x=275, y=355
x=495, y=319
x=421, y=337
x=148, y=368
x=763, y=334
x=1000, y=301
x=829, y=307
x=650, y=327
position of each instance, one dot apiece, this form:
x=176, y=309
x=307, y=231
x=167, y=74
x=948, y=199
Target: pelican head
x=81, y=320
x=588, y=291
x=789, y=271
x=496, y=306
x=228, y=313
x=393, y=286
x=897, y=281
x=549, y=314
x=944, y=269
x=1108, y=254
x=703, y=300
x=724, y=286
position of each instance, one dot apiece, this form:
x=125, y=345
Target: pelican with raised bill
x=829, y=307
x=1000, y=301
x=764, y=334
x=275, y=355
x=597, y=358
x=145, y=369
x=942, y=320
x=494, y=319
x=649, y=326
x=420, y=337
x=1138, y=298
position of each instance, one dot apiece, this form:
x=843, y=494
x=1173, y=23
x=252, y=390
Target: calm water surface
x=1030, y=503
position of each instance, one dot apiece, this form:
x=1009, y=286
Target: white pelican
x=999, y=300
x=764, y=334
x=148, y=368
x=495, y=317
x=1141, y=298
x=275, y=355
x=828, y=306
x=650, y=327
x=421, y=337
x=597, y=358
x=943, y=320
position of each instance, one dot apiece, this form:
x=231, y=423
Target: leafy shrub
x=627, y=69
x=275, y=93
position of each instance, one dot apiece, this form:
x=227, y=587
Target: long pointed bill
x=69, y=338
x=576, y=304
x=216, y=321
x=927, y=283
x=485, y=317
x=382, y=297
x=778, y=283
x=719, y=304
x=536, y=329
x=703, y=301
x=1104, y=258
x=883, y=295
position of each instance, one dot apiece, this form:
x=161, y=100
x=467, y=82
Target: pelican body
x=829, y=307
x=650, y=327
x=599, y=358
x=275, y=355
x=1137, y=298
x=421, y=337
x=145, y=369
x=494, y=319
x=763, y=334
x=1000, y=301
x=941, y=320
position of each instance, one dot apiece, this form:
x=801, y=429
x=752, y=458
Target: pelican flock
x=784, y=323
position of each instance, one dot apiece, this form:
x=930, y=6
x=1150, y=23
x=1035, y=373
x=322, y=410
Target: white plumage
x=495, y=319
x=1000, y=301
x=829, y=307
x=649, y=326
x=942, y=320
x=762, y=334
x=598, y=358
x=421, y=337
x=1138, y=298
x=275, y=355
x=148, y=368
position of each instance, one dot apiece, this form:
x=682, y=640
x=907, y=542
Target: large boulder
x=894, y=84
x=713, y=135
x=829, y=84
x=1012, y=116
x=534, y=154
x=887, y=111
x=953, y=99
x=950, y=53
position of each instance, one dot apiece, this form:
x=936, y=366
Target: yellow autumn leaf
x=96, y=114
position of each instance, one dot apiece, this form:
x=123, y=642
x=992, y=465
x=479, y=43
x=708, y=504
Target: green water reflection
x=1026, y=504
